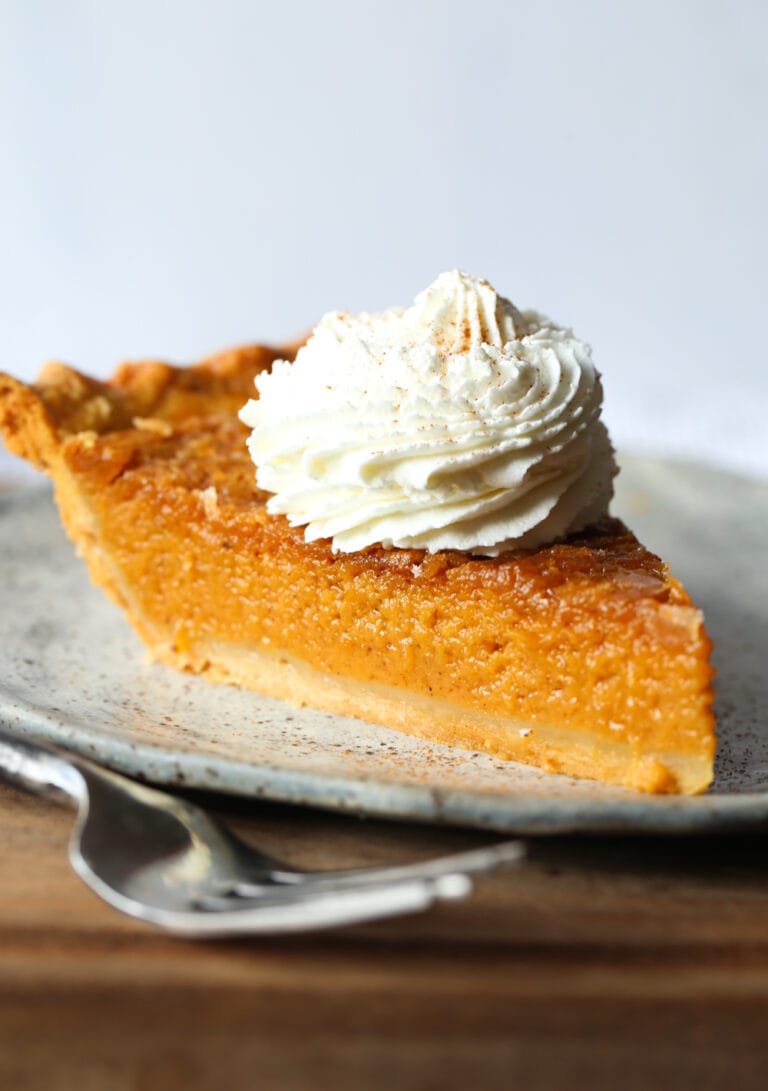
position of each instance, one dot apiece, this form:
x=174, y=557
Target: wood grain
x=597, y=963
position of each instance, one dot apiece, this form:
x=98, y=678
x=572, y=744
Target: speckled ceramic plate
x=72, y=671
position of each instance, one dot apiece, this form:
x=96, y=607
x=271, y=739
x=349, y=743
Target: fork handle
x=39, y=769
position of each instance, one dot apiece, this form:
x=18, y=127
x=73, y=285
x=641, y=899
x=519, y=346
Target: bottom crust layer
x=549, y=747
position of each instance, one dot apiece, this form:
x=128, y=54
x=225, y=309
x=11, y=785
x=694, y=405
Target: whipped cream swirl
x=457, y=423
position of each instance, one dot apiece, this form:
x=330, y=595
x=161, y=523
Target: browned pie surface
x=585, y=656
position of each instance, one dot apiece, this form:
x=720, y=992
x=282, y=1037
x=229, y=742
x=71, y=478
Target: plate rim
x=638, y=814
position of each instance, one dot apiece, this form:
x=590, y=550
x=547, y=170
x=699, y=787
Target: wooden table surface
x=597, y=963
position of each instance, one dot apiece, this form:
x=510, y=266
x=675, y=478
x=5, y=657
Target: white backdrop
x=181, y=175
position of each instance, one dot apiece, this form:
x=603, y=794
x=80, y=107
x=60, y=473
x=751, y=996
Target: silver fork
x=162, y=859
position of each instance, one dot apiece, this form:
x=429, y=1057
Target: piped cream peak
x=456, y=423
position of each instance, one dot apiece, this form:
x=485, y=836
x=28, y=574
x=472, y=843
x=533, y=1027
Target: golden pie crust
x=584, y=657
